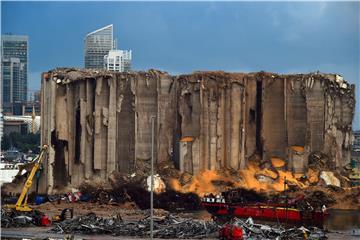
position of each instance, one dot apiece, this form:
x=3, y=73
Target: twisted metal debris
x=255, y=231
x=11, y=218
x=164, y=227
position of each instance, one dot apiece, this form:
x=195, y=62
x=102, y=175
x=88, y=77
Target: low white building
x=118, y=60
x=33, y=124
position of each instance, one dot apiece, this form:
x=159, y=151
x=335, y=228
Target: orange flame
x=210, y=181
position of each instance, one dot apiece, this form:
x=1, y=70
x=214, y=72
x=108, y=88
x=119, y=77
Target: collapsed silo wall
x=274, y=114
x=98, y=123
x=211, y=108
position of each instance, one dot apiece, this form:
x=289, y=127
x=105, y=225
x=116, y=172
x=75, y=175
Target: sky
x=182, y=37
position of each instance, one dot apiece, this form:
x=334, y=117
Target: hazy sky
x=282, y=37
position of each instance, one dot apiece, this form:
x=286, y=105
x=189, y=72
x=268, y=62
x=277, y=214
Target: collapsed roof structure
x=98, y=122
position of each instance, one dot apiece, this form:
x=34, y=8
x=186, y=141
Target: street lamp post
x=152, y=118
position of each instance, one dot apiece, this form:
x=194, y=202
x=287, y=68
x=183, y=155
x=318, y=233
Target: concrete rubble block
x=159, y=185
x=329, y=178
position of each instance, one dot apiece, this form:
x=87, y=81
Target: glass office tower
x=13, y=75
x=14, y=68
x=98, y=44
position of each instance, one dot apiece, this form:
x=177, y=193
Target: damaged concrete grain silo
x=98, y=123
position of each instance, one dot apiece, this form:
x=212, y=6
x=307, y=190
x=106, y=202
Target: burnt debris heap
x=98, y=122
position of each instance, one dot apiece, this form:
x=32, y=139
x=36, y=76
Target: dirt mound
x=330, y=196
x=318, y=198
x=319, y=160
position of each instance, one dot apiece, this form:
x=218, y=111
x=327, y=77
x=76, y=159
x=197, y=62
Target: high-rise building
x=14, y=76
x=98, y=44
x=14, y=68
x=118, y=60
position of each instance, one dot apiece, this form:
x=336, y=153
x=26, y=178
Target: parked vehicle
x=12, y=155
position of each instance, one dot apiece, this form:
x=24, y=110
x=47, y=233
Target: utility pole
x=152, y=119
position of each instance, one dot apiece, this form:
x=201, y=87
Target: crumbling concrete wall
x=212, y=112
x=125, y=126
x=274, y=117
x=98, y=123
x=296, y=117
x=339, y=112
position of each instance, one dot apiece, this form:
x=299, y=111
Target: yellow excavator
x=21, y=204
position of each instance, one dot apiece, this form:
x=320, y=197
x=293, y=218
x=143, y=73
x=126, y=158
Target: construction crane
x=21, y=204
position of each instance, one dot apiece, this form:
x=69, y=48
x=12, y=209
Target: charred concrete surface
x=98, y=123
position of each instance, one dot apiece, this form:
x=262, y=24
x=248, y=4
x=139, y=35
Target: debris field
x=164, y=227
x=250, y=137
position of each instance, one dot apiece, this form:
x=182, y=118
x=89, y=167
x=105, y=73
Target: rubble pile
x=306, y=200
x=318, y=198
x=256, y=231
x=268, y=183
x=320, y=161
x=164, y=227
x=334, y=197
x=169, y=200
x=187, y=190
x=313, y=199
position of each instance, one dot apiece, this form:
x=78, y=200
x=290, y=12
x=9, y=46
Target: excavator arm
x=21, y=204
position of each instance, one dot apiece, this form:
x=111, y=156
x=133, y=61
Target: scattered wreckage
x=170, y=226
x=238, y=229
x=236, y=202
x=164, y=227
x=13, y=218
